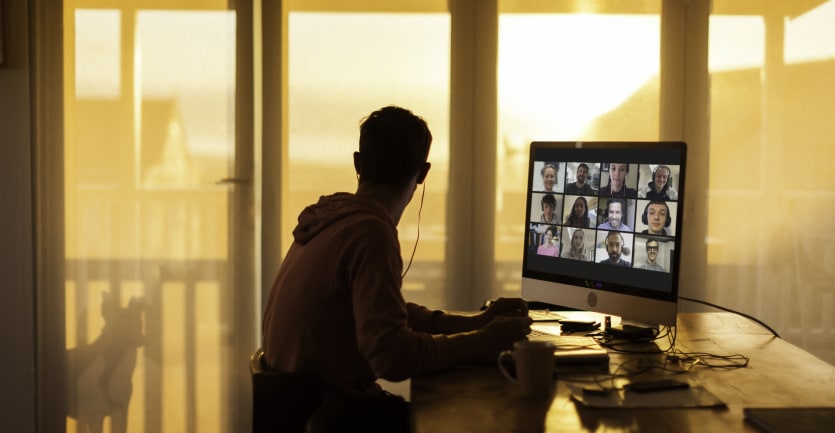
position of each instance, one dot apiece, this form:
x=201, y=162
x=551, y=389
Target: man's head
x=549, y=176
x=652, y=250
x=582, y=172
x=614, y=246
x=614, y=211
x=393, y=147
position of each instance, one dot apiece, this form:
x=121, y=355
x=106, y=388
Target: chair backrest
x=281, y=402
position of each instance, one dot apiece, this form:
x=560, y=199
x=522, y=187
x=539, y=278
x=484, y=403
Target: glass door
x=158, y=327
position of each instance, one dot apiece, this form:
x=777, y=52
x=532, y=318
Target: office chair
x=281, y=402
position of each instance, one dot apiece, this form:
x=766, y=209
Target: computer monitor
x=603, y=227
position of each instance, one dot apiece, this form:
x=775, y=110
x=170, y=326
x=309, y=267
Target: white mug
x=534, y=362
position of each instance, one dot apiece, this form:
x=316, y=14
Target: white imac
x=607, y=241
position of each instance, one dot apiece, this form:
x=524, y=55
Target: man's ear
x=423, y=172
x=357, y=164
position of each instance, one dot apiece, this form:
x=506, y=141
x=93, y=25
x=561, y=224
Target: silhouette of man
x=336, y=310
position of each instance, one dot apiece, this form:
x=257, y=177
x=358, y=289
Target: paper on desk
x=693, y=397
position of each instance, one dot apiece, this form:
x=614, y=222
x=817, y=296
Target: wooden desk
x=480, y=399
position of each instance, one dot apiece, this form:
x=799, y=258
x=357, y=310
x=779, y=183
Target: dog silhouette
x=99, y=374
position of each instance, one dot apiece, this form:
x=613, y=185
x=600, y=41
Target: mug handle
x=499, y=361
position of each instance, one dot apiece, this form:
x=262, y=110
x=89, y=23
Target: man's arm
x=422, y=319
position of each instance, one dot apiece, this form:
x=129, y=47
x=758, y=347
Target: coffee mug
x=534, y=361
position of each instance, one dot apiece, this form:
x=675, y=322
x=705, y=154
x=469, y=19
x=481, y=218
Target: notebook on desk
x=579, y=350
x=792, y=419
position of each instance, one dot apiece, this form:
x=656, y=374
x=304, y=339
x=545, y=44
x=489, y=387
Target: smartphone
x=656, y=385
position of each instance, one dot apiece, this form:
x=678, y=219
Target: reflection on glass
x=150, y=129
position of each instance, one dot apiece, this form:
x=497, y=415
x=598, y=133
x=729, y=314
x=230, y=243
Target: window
x=150, y=132
x=771, y=191
x=568, y=74
x=342, y=65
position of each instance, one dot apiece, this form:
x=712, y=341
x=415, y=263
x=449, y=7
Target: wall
x=17, y=293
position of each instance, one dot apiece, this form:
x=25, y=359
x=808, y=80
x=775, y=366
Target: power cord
x=698, y=301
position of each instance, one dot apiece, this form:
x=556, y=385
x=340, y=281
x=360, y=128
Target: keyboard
x=545, y=316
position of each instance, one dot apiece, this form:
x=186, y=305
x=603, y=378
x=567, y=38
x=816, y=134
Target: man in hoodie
x=336, y=310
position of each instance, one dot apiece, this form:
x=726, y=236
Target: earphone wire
x=420, y=209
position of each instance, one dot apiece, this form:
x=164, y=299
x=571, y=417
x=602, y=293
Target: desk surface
x=480, y=399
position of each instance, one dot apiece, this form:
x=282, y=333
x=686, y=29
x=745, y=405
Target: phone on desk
x=656, y=385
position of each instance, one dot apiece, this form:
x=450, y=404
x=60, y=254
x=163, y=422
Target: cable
x=733, y=311
x=420, y=209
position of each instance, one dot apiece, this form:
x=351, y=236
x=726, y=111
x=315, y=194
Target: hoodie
x=336, y=310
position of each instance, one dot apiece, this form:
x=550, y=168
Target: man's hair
x=394, y=144
x=583, y=165
x=646, y=244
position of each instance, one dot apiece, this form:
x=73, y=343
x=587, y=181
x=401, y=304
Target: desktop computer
x=603, y=229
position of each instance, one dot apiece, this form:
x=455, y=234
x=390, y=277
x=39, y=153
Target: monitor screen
x=603, y=227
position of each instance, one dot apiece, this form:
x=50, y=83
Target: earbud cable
x=420, y=209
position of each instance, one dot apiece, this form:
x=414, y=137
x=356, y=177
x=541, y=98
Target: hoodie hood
x=333, y=208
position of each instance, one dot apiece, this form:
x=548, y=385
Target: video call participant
x=576, y=248
x=549, y=208
x=336, y=310
x=657, y=218
x=579, y=216
x=549, y=244
x=549, y=177
x=580, y=187
x=659, y=187
x=617, y=182
x=615, y=216
x=615, y=247
x=652, y=255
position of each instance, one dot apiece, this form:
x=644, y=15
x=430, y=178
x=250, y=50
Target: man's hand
x=503, y=331
x=501, y=307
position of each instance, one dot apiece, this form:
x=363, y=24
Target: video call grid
x=644, y=205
